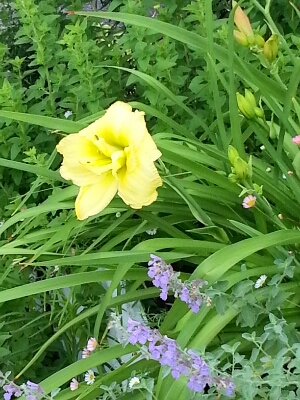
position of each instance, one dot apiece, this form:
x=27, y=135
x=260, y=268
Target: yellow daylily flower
x=115, y=154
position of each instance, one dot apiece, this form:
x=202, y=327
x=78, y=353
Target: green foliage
x=61, y=278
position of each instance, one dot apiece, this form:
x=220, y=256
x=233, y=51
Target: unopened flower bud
x=232, y=154
x=259, y=41
x=245, y=106
x=249, y=96
x=241, y=38
x=241, y=168
x=270, y=49
x=259, y=112
x=241, y=20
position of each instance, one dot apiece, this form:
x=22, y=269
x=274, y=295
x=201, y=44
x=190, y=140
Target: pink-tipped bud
x=242, y=21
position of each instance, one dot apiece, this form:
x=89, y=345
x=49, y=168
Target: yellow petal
x=82, y=163
x=94, y=198
x=138, y=187
x=78, y=174
x=77, y=149
x=119, y=127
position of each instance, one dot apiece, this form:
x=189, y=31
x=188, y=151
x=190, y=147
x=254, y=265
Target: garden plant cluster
x=150, y=200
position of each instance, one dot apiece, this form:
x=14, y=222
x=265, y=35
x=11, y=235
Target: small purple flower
x=230, y=389
x=139, y=332
x=185, y=295
x=34, y=386
x=156, y=351
x=154, y=259
x=11, y=390
x=196, y=384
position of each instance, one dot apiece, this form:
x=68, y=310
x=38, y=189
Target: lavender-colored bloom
x=230, y=389
x=154, y=259
x=11, y=390
x=185, y=295
x=156, y=351
x=139, y=333
x=180, y=369
x=164, y=295
x=181, y=362
x=196, y=383
x=34, y=386
x=164, y=277
x=199, y=364
x=195, y=305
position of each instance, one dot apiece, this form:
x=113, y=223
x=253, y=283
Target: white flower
x=268, y=169
x=260, y=281
x=89, y=377
x=85, y=353
x=118, y=214
x=133, y=381
x=283, y=176
x=91, y=344
x=1, y=224
x=73, y=384
x=68, y=114
x=152, y=232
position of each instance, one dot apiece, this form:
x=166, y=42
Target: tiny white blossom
x=91, y=344
x=152, y=232
x=68, y=114
x=133, y=381
x=268, y=169
x=260, y=281
x=283, y=176
x=1, y=224
x=74, y=384
x=89, y=377
x=118, y=214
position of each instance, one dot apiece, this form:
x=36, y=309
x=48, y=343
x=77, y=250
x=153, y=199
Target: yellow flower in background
x=115, y=154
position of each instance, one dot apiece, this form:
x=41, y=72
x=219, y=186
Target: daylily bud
x=259, y=41
x=241, y=38
x=232, y=154
x=249, y=96
x=270, y=49
x=241, y=168
x=245, y=106
x=259, y=112
x=241, y=20
x=233, y=178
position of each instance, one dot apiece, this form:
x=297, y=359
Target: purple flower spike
x=11, y=390
x=164, y=277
